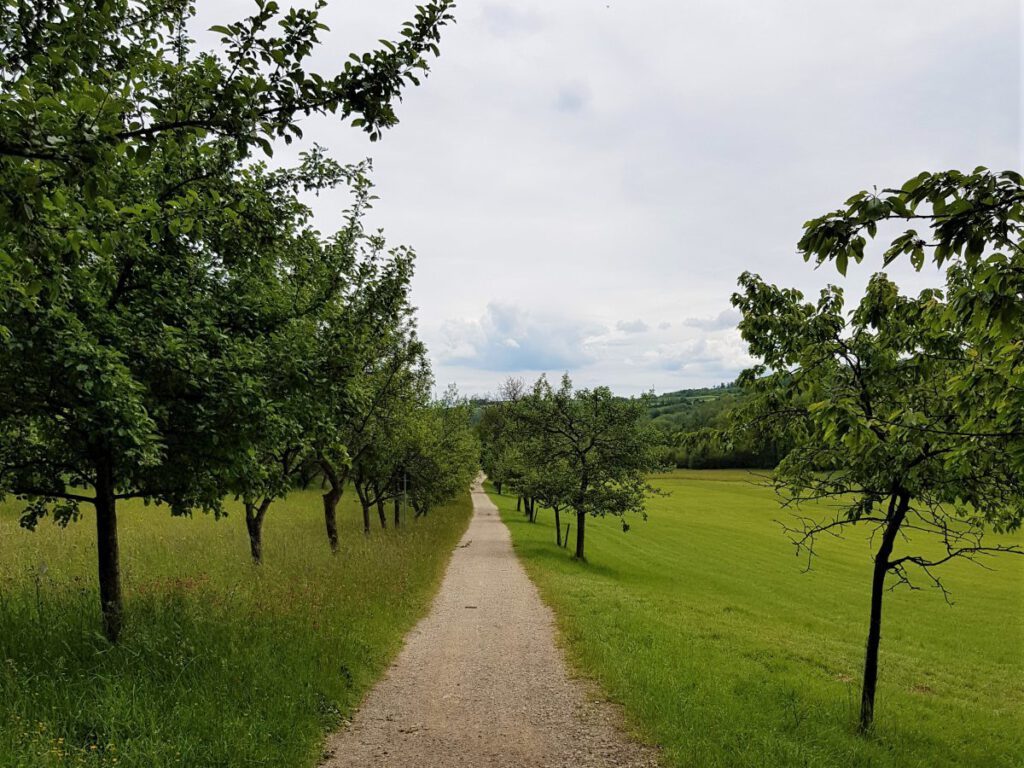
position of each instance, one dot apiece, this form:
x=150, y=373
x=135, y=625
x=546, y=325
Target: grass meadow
x=221, y=663
x=702, y=624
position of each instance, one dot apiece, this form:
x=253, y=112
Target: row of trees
x=172, y=327
x=583, y=451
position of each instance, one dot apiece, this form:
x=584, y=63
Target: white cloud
x=507, y=339
x=727, y=318
x=632, y=326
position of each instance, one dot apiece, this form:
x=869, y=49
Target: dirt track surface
x=481, y=682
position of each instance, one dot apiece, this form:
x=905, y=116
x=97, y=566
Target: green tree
x=877, y=432
x=398, y=390
x=366, y=388
x=598, y=445
x=443, y=456
x=496, y=443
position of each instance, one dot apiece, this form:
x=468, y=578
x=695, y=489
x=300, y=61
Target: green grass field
x=702, y=625
x=222, y=663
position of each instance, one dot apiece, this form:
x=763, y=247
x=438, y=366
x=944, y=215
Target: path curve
x=481, y=682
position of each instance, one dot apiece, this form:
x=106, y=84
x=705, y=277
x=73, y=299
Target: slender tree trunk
x=581, y=511
x=380, y=512
x=109, y=561
x=398, y=510
x=519, y=503
x=898, y=506
x=497, y=487
x=254, y=525
x=364, y=502
x=581, y=523
x=335, y=484
x=558, y=527
x=331, y=499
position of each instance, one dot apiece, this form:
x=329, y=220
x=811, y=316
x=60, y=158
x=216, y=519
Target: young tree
x=400, y=396
x=877, y=432
x=588, y=440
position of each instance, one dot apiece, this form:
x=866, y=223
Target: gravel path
x=481, y=682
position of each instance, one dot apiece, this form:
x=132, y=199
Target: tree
x=877, y=432
x=399, y=394
x=127, y=242
x=599, y=446
x=494, y=431
x=443, y=457
x=974, y=222
x=362, y=387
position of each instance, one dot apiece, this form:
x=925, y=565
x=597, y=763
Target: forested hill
x=691, y=410
x=688, y=409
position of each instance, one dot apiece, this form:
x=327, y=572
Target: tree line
x=173, y=328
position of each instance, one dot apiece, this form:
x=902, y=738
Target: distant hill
x=683, y=410
x=688, y=409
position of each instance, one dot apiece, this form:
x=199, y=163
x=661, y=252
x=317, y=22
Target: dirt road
x=481, y=682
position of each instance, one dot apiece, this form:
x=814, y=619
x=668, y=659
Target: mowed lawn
x=701, y=623
x=221, y=663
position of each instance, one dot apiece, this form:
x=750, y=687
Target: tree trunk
x=497, y=487
x=335, y=484
x=111, y=602
x=381, y=514
x=254, y=524
x=898, y=506
x=519, y=503
x=365, y=504
x=398, y=510
x=581, y=523
x=331, y=499
x=558, y=527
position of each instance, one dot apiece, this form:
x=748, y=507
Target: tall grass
x=701, y=623
x=222, y=663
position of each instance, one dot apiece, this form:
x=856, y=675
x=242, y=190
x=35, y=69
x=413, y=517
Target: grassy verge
x=702, y=625
x=222, y=663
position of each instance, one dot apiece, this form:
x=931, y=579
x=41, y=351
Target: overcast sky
x=584, y=180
